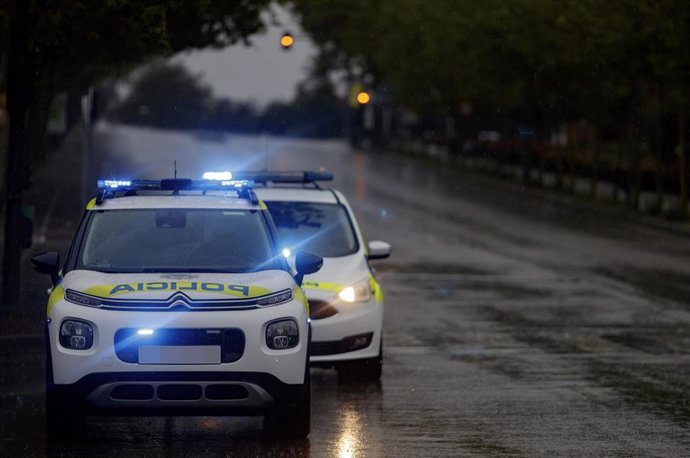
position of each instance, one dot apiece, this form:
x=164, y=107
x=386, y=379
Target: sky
x=262, y=72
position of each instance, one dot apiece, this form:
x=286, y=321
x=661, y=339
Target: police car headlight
x=82, y=299
x=359, y=292
x=76, y=335
x=281, y=335
x=275, y=299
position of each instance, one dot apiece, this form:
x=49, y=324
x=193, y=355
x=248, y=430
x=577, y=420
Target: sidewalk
x=56, y=197
x=510, y=177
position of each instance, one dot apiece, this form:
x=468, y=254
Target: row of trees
x=166, y=95
x=72, y=44
x=621, y=66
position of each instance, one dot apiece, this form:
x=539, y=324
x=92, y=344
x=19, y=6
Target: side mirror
x=305, y=264
x=378, y=250
x=47, y=263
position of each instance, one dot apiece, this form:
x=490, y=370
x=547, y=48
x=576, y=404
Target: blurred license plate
x=180, y=354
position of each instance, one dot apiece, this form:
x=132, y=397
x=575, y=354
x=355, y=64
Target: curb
x=551, y=196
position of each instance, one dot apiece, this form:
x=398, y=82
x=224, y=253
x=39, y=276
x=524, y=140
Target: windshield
x=177, y=240
x=321, y=229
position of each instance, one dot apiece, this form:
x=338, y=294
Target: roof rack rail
x=109, y=189
x=284, y=177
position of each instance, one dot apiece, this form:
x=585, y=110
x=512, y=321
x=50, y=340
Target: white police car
x=345, y=299
x=174, y=299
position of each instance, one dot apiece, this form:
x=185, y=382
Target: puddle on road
x=653, y=387
x=658, y=388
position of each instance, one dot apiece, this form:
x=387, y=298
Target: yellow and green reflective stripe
x=375, y=289
x=298, y=294
x=57, y=294
x=204, y=287
x=91, y=204
x=335, y=287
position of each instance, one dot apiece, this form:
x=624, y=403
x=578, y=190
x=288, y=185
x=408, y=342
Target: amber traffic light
x=287, y=40
x=363, y=98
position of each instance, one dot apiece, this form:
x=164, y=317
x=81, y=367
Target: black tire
x=361, y=370
x=64, y=419
x=293, y=421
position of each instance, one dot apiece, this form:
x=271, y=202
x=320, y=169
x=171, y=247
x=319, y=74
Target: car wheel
x=361, y=370
x=63, y=419
x=292, y=421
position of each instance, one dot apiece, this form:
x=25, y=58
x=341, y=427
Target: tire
x=293, y=421
x=64, y=419
x=361, y=370
x=290, y=421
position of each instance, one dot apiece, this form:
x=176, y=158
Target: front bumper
x=176, y=393
x=71, y=366
x=356, y=325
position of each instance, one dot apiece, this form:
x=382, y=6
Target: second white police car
x=175, y=299
x=345, y=298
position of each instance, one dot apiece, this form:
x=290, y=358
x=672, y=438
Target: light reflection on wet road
x=514, y=325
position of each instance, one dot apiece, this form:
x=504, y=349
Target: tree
x=73, y=44
x=165, y=96
x=537, y=64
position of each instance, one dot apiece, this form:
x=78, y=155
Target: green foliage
x=167, y=96
x=536, y=59
x=77, y=42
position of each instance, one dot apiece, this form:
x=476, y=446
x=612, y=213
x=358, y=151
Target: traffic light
x=363, y=97
x=287, y=40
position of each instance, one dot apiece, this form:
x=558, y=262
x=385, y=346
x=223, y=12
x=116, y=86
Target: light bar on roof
x=217, y=176
x=114, y=184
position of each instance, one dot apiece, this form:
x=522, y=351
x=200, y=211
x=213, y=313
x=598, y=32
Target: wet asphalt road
x=515, y=325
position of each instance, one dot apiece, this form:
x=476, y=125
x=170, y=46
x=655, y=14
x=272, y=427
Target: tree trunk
x=37, y=119
x=633, y=165
x=618, y=174
x=682, y=161
x=19, y=91
x=596, y=152
x=659, y=153
x=572, y=167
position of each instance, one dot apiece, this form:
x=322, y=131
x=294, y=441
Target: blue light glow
x=217, y=176
x=114, y=184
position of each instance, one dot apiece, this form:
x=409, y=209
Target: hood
x=156, y=286
x=336, y=274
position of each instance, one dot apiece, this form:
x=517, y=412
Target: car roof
x=208, y=201
x=297, y=194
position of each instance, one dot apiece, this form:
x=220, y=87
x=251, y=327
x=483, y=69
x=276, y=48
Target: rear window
x=321, y=229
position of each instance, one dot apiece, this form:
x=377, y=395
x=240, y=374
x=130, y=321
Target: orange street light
x=363, y=98
x=287, y=40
